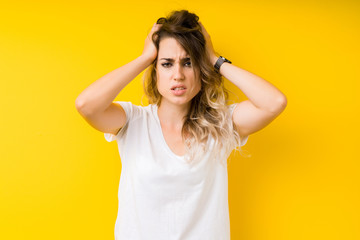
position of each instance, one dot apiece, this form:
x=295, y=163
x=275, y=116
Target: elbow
x=279, y=105
x=81, y=107
x=282, y=102
x=79, y=104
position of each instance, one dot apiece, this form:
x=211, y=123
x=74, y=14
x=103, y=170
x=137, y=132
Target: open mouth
x=178, y=91
x=178, y=88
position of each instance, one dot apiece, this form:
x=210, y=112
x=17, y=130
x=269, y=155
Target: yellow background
x=59, y=176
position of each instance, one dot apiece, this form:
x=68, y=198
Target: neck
x=172, y=115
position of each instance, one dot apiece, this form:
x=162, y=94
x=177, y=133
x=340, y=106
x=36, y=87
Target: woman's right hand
x=150, y=51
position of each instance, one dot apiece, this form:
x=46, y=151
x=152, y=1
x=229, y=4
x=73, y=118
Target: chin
x=179, y=100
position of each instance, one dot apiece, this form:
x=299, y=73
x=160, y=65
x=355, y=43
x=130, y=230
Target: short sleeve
x=243, y=139
x=128, y=108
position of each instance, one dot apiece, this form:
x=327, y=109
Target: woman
x=173, y=181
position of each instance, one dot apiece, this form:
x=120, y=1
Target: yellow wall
x=59, y=177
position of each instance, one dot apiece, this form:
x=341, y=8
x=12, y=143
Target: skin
x=173, y=108
x=265, y=102
x=170, y=73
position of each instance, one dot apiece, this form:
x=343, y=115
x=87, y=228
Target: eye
x=165, y=64
x=188, y=64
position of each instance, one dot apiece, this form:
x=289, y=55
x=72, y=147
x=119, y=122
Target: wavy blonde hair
x=209, y=112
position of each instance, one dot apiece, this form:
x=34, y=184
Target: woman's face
x=177, y=80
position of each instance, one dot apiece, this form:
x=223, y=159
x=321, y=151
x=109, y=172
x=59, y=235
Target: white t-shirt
x=161, y=197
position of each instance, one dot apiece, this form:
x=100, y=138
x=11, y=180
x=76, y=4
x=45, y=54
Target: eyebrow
x=171, y=60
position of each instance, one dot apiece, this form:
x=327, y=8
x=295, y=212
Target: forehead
x=170, y=48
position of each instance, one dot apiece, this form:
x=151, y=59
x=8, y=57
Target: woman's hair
x=209, y=112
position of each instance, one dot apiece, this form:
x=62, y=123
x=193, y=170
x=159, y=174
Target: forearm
x=100, y=94
x=260, y=92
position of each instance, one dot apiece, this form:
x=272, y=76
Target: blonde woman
x=174, y=151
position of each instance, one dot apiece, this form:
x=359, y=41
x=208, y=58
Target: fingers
x=156, y=26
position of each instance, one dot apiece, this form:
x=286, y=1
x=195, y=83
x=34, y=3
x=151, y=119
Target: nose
x=178, y=72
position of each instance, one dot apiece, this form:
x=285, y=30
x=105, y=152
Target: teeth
x=179, y=88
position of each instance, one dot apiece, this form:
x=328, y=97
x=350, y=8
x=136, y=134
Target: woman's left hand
x=209, y=47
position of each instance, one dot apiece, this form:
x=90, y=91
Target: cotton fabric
x=161, y=197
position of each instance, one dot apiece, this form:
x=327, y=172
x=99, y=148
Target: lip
x=178, y=86
x=178, y=92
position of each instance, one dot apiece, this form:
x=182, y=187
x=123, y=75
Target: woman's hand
x=209, y=47
x=150, y=51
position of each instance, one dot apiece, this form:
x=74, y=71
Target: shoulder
x=128, y=105
x=231, y=108
x=133, y=110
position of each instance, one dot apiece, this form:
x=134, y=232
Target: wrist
x=146, y=59
x=213, y=59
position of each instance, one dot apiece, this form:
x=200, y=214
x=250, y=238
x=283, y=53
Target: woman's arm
x=265, y=102
x=261, y=93
x=100, y=94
